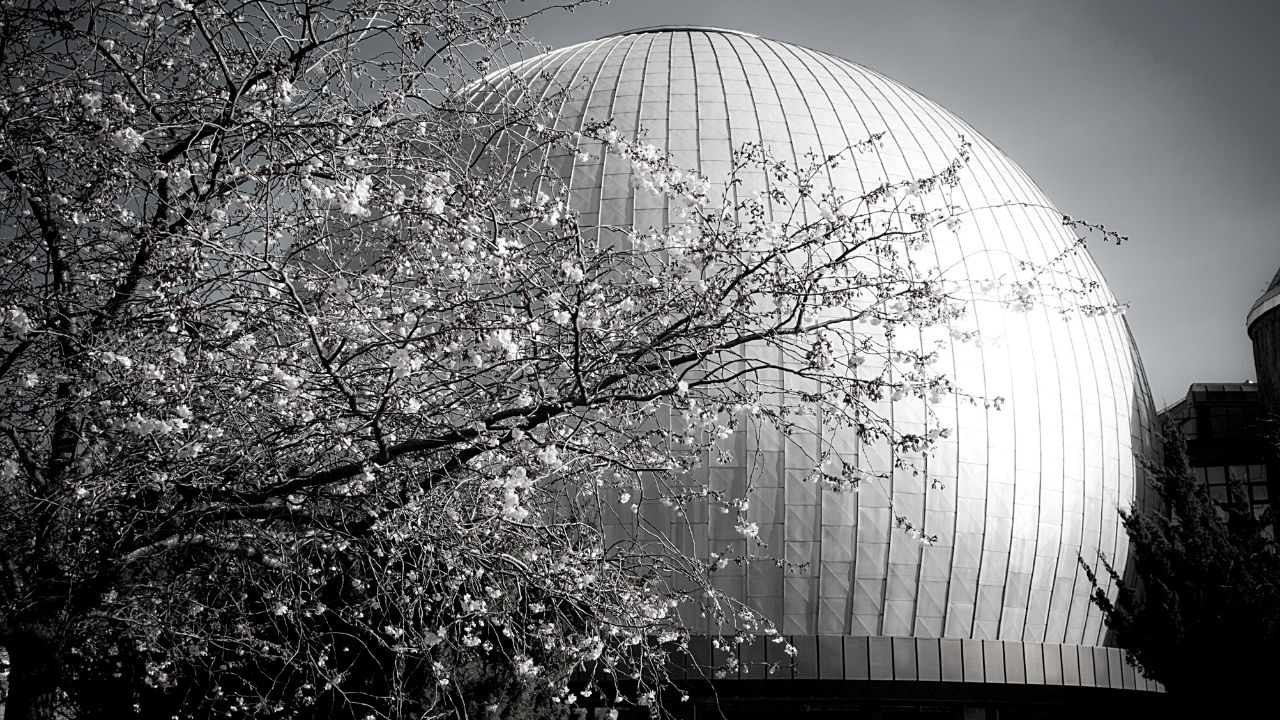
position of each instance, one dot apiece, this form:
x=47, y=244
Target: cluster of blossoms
x=652, y=171
x=517, y=480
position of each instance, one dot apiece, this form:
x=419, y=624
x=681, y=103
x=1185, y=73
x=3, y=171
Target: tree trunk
x=33, y=678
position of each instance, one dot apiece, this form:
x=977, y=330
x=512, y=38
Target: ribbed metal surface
x=1268, y=301
x=1027, y=488
x=1263, y=323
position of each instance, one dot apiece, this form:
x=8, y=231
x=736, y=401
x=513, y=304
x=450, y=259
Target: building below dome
x=1223, y=425
x=930, y=679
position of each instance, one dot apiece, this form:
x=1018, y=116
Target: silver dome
x=1026, y=488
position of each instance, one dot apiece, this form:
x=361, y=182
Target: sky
x=1158, y=118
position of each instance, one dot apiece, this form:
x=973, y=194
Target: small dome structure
x=1263, y=323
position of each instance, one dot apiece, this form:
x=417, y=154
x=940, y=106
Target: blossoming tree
x=313, y=401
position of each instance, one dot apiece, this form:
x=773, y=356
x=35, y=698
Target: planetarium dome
x=1024, y=489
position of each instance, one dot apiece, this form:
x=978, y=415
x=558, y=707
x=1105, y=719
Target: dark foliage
x=1203, y=616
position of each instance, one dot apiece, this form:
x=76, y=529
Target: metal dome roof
x=681, y=28
x=1025, y=489
x=1270, y=300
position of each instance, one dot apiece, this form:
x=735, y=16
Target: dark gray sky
x=1158, y=118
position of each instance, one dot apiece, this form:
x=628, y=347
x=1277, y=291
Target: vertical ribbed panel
x=1026, y=488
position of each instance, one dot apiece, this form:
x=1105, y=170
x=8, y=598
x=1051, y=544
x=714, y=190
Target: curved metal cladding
x=1026, y=489
x=1264, y=330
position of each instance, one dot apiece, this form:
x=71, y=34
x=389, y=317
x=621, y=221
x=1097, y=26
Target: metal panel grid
x=1026, y=488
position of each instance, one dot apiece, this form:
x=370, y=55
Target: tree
x=1203, y=616
x=317, y=399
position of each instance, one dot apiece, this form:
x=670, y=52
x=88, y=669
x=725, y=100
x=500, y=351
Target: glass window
x=1217, y=475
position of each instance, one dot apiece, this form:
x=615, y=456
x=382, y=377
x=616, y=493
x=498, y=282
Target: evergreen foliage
x=1203, y=614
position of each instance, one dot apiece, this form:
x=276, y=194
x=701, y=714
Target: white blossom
x=127, y=140
x=16, y=320
x=91, y=102
x=122, y=360
x=352, y=198
x=403, y=362
x=549, y=456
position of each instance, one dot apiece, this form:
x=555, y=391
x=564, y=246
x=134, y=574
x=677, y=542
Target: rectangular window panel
x=1217, y=475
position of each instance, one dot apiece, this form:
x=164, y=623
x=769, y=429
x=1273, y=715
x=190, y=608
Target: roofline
x=1269, y=301
x=680, y=28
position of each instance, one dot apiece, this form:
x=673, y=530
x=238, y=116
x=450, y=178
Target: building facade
x=1224, y=424
x=997, y=608
x=1232, y=428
